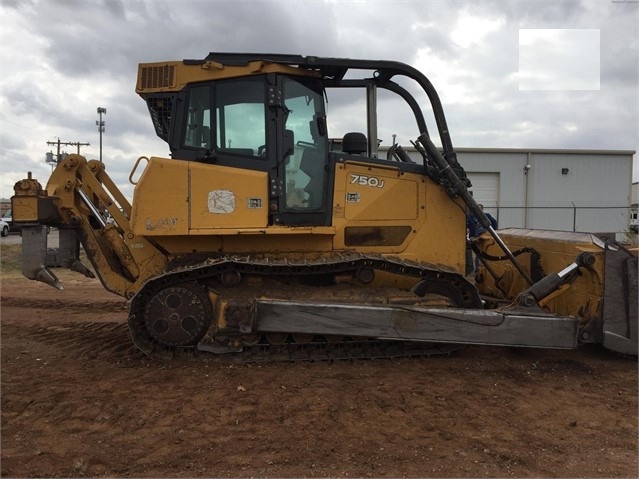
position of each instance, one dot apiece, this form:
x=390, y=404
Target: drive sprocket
x=178, y=315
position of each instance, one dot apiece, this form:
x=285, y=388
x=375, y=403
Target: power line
x=65, y=143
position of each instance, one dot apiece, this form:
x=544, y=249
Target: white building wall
x=587, y=191
x=593, y=194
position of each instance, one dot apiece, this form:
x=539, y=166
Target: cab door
x=270, y=123
x=303, y=186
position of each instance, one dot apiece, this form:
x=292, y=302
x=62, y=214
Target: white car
x=6, y=217
x=4, y=228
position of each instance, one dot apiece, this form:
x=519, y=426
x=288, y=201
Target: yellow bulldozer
x=259, y=230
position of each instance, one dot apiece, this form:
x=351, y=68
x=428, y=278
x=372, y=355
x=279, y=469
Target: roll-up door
x=486, y=190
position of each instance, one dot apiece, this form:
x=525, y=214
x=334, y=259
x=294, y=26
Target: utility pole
x=101, y=126
x=65, y=143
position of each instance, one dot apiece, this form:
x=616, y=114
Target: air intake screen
x=161, y=106
x=157, y=77
x=375, y=235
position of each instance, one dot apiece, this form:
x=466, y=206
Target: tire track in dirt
x=35, y=303
x=105, y=341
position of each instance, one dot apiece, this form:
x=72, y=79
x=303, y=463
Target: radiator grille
x=157, y=77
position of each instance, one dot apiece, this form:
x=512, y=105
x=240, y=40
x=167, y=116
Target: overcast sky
x=511, y=74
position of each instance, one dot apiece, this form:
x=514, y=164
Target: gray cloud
x=542, y=14
x=62, y=59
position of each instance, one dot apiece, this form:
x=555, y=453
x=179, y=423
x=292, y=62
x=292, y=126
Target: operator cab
x=266, y=112
x=272, y=123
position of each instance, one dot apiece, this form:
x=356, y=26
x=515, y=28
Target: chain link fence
x=610, y=220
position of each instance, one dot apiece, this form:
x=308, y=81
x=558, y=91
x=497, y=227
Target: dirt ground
x=78, y=400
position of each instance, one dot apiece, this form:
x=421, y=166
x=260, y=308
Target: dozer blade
x=620, y=312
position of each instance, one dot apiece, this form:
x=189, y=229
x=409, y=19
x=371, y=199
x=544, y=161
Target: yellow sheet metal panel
x=223, y=197
x=375, y=208
x=25, y=208
x=288, y=244
x=440, y=238
x=270, y=240
x=178, y=245
x=175, y=75
x=557, y=250
x=410, y=216
x=160, y=203
x=379, y=194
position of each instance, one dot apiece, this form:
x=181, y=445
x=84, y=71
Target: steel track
x=210, y=270
x=346, y=350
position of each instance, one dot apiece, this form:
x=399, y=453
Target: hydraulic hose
x=458, y=188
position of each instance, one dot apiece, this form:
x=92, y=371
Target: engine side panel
x=160, y=199
x=387, y=211
x=222, y=197
x=179, y=198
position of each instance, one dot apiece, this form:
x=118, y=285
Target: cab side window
x=240, y=116
x=198, y=121
x=305, y=170
x=228, y=116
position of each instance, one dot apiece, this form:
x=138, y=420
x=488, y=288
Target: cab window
x=240, y=116
x=305, y=171
x=198, y=119
x=228, y=116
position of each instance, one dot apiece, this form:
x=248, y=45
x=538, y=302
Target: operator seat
x=313, y=165
x=205, y=137
x=354, y=143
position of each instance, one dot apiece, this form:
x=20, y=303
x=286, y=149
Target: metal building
x=634, y=208
x=570, y=190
